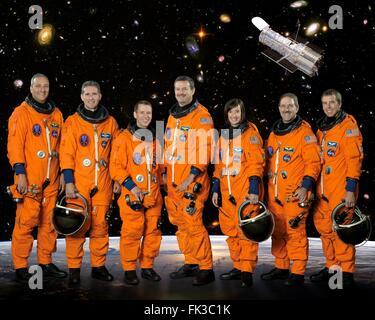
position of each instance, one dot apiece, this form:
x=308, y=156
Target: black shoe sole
x=181, y=276
x=102, y=279
x=150, y=279
x=231, y=278
x=131, y=283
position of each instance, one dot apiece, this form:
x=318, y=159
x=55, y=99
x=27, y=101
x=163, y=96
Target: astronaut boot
x=322, y=276
x=74, y=275
x=348, y=280
x=150, y=274
x=295, y=280
x=275, y=274
x=187, y=270
x=204, y=277
x=233, y=274
x=130, y=277
x=22, y=275
x=246, y=279
x=52, y=271
x=101, y=273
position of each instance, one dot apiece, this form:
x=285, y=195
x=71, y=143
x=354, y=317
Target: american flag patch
x=352, y=133
x=309, y=139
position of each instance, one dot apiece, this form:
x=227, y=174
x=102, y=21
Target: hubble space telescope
x=289, y=53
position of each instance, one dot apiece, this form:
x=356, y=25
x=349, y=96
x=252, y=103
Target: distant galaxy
x=225, y=18
x=192, y=45
x=18, y=83
x=45, y=35
x=135, y=51
x=312, y=29
x=298, y=4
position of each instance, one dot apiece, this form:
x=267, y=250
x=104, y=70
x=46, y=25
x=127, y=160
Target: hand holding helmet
x=70, y=215
x=255, y=221
x=351, y=225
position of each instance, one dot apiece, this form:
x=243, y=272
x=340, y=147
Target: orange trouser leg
x=197, y=242
x=27, y=216
x=182, y=234
x=74, y=245
x=135, y=226
x=279, y=237
x=99, y=239
x=335, y=251
x=46, y=234
x=297, y=243
x=151, y=237
x=243, y=252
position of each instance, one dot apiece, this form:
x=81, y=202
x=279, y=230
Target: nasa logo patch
x=331, y=153
x=182, y=138
x=286, y=158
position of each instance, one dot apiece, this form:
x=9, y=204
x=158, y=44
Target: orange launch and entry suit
x=133, y=163
x=85, y=151
x=292, y=161
x=342, y=154
x=188, y=139
x=33, y=145
x=238, y=172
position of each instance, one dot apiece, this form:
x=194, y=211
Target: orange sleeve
x=216, y=159
x=204, y=134
x=267, y=150
x=17, y=130
x=68, y=146
x=158, y=160
x=311, y=154
x=353, y=151
x=119, y=159
x=254, y=154
x=61, y=124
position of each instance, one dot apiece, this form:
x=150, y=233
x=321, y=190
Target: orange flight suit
x=241, y=158
x=342, y=156
x=188, y=140
x=80, y=139
x=290, y=157
x=129, y=164
x=27, y=145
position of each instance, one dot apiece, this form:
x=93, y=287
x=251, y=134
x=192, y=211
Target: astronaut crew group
x=97, y=160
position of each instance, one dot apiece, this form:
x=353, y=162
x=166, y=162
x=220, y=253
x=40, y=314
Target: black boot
x=275, y=273
x=295, y=280
x=150, y=274
x=322, y=276
x=52, y=271
x=204, y=277
x=74, y=275
x=234, y=274
x=130, y=277
x=101, y=273
x=22, y=275
x=246, y=279
x=187, y=270
x=348, y=280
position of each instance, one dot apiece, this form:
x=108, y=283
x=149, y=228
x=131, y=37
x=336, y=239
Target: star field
x=135, y=50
